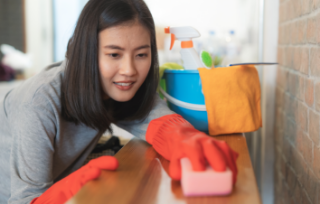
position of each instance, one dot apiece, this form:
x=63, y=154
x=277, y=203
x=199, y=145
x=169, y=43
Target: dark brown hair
x=81, y=89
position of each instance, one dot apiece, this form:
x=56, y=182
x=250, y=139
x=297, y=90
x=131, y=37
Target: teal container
x=185, y=97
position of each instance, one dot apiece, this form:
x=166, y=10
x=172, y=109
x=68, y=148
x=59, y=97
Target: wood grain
x=142, y=178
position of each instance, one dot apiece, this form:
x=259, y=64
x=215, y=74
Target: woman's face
x=124, y=60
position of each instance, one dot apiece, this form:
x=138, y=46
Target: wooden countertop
x=142, y=178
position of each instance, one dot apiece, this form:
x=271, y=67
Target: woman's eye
x=142, y=55
x=114, y=55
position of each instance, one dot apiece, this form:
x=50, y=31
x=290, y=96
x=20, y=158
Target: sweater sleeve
x=33, y=130
x=139, y=128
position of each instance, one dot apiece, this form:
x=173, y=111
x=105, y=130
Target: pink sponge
x=204, y=183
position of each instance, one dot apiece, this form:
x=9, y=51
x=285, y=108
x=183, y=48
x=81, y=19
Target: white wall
x=240, y=16
x=204, y=15
x=66, y=14
x=39, y=33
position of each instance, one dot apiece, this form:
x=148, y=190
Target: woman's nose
x=128, y=67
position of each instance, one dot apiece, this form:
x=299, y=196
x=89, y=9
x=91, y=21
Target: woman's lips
x=124, y=85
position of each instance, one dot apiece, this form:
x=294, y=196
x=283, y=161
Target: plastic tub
x=185, y=97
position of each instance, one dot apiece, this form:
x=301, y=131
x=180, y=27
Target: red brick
x=278, y=183
x=317, y=197
x=306, y=6
x=278, y=195
x=288, y=33
x=316, y=161
x=294, y=83
x=315, y=5
x=279, y=98
x=301, y=30
x=287, y=106
x=282, y=120
x=289, y=56
x=311, y=30
x=283, y=166
x=315, y=62
x=300, y=141
x=297, y=192
x=282, y=78
x=290, y=130
x=288, y=199
x=310, y=184
x=277, y=159
x=294, y=33
x=291, y=107
x=284, y=11
x=278, y=136
x=317, y=28
x=289, y=10
x=314, y=188
x=281, y=12
x=278, y=199
x=299, y=165
x=317, y=96
x=297, y=58
x=305, y=146
x=285, y=78
x=314, y=127
x=287, y=149
x=308, y=150
x=305, y=198
x=301, y=87
x=285, y=38
x=297, y=10
x=304, y=68
x=309, y=92
x=302, y=114
x=280, y=57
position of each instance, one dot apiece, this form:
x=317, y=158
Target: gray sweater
x=37, y=146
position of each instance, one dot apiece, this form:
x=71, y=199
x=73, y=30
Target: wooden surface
x=142, y=178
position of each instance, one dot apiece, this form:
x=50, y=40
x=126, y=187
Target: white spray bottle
x=190, y=58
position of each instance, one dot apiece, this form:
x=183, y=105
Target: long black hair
x=81, y=91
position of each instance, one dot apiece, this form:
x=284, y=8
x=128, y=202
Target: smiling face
x=124, y=60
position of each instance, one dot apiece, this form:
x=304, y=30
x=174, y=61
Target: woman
x=51, y=123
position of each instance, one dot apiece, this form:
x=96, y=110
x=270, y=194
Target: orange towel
x=232, y=98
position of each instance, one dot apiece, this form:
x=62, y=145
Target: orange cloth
x=232, y=98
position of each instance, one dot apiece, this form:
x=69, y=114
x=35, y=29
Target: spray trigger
x=173, y=38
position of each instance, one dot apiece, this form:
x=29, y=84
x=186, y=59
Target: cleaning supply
x=204, y=183
x=169, y=66
x=232, y=98
x=184, y=95
x=175, y=138
x=207, y=59
x=162, y=68
x=190, y=58
x=63, y=190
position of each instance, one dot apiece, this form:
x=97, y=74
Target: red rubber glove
x=174, y=138
x=67, y=187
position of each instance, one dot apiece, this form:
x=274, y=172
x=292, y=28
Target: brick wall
x=11, y=24
x=297, y=124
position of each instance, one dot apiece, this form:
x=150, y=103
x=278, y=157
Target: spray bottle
x=190, y=58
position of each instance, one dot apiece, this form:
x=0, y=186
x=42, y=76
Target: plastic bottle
x=190, y=58
x=231, y=55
